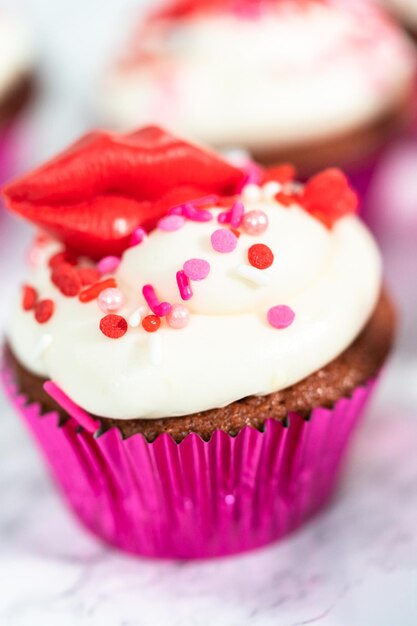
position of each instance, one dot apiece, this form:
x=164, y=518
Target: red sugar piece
x=29, y=297
x=44, y=310
x=260, y=256
x=328, y=197
x=88, y=275
x=66, y=278
x=285, y=198
x=62, y=257
x=113, y=326
x=283, y=173
x=151, y=323
x=91, y=293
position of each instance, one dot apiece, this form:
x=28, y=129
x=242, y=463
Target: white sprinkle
x=251, y=192
x=42, y=345
x=155, y=349
x=259, y=277
x=270, y=190
x=136, y=317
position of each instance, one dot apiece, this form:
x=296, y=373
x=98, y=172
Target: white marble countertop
x=354, y=565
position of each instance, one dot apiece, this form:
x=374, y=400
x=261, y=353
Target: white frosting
x=330, y=278
x=405, y=9
x=15, y=52
x=293, y=75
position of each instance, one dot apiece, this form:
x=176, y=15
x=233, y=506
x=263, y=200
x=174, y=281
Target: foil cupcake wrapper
x=196, y=499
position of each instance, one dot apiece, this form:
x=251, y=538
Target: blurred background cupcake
x=16, y=88
x=313, y=82
x=406, y=11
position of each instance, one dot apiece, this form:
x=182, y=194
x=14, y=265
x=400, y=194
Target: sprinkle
x=253, y=175
x=251, y=192
x=93, y=292
x=253, y=275
x=44, y=310
x=29, y=297
x=270, y=190
x=196, y=215
x=108, y=264
x=196, y=269
x=84, y=419
x=255, y=222
x=232, y=217
x=159, y=308
x=65, y=277
x=280, y=316
x=155, y=349
x=136, y=317
x=138, y=235
x=151, y=323
x=260, y=256
x=113, y=326
x=88, y=275
x=43, y=343
x=285, y=199
x=170, y=223
x=179, y=316
x=111, y=300
x=184, y=286
x=283, y=173
x=62, y=257
x=223, y=240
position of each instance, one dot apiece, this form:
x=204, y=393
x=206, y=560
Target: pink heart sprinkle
x=281, y=316
x=170, y=223
x=223, y=240
x=196, y=269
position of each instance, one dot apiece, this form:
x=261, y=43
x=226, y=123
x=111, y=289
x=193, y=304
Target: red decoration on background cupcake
x=328, y=197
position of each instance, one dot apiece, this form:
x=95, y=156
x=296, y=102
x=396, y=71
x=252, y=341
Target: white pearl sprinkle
x=251, y=192
x=258, y=277
x=155, y=349
x=136, y=317
x=270, y=190
x=42, y=345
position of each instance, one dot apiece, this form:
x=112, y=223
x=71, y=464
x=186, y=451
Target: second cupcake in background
x=315, y=83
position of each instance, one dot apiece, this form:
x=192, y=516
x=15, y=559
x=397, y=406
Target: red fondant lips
x=94, y=195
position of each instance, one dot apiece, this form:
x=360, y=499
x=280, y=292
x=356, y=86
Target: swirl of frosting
x=328, y=278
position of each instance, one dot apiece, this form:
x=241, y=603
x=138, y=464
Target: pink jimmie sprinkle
x=223, y=240
x=108, y=265
x=281, y=316
x=161, y=309
x=138, y=236
x=196, y=269
x=184, y=286
x=170, y=223
x=196, y=215
x=85, y=420
x=234, y=216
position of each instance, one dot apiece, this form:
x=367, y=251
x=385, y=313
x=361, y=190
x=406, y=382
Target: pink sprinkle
x=179, y=316
x=76, y=412
x=223, y=240
x=184, y=286
x=232, y=217
x=196, y=215
x=111, y=300
x=281, y=316
x=170, y=223
x=108, y=265
x=158, y=308
x=196, y=269
x=138, y=236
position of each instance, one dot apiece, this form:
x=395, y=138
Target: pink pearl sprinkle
x=170, y=223
x=179, y=316
x=196, y=269
x=280, y=316
x=110, y=300
x=255, y=222
x=137, y=236
x=223, y=240
x=108, y=264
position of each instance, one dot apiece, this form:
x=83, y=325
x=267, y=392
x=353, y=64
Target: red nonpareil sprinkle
x=285, y=199
x=44, y=310
x=113, y=326
x=66, y=278
x=88, y=275
x=151, y=323
x=62, y=257
x=260, y=256
x=29, y=297
x=91, y=293
x=283, y=173
x=329, y=197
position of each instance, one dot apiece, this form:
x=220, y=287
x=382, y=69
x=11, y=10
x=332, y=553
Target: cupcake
x=16, y=86
x=314, y=82
x=194, y=346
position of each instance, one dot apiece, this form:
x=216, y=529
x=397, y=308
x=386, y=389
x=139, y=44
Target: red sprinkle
x=91, y=293
x=44, y=310
x=151, y=323
x=260, y=256
x=235, y=232
x=283, y=173
x=285, y=198
x=66, y=278
x=113, y=326
x=328, y=196
x=88, y=275
x=62, y=257
x=29, y=298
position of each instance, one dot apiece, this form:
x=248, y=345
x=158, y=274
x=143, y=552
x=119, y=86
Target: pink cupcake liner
x=196, y=499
